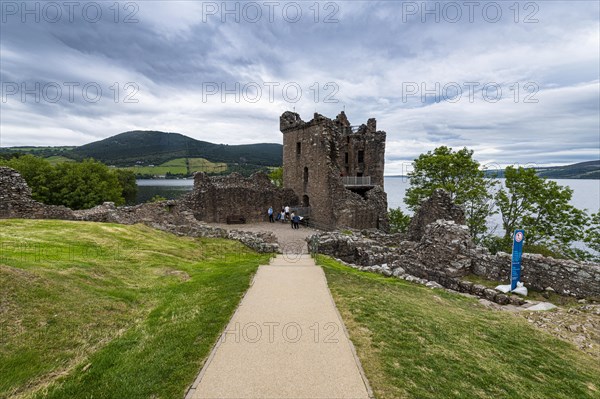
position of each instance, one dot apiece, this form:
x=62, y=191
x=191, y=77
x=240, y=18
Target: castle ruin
x=336, y=170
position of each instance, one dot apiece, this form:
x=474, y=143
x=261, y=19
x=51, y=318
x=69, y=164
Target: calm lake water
x=586, y=193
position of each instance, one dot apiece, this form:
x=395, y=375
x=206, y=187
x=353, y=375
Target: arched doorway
x=305, y=201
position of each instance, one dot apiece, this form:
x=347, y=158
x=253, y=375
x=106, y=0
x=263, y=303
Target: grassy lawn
x=415, y=342
x=179, y=166
x=56, y=159
x=111, y=311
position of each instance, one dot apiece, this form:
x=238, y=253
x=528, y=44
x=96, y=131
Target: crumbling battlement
x=336, y=170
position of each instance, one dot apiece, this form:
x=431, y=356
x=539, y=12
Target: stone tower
x=336, y=170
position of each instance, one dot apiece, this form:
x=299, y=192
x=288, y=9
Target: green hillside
x=151, y=147
x=582, y=170
x=145, y=148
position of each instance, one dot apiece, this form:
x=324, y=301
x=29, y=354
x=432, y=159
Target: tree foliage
x=542, y=208
x=77, y=185
x=398, y=220
x=276, y=176
x=592, y=235
x=128, y=184
x=156, y=198
x=461, y=176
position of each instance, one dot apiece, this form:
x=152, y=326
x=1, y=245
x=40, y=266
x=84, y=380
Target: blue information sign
x=515, y=272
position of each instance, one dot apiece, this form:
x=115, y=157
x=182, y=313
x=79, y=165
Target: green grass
x=180, y=166
x=56, y=159
x=414, y=342
x=111, y=311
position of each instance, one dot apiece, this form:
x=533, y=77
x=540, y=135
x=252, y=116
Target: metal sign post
x=515, y=273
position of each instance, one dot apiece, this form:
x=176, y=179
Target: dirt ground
x=290, y=240
x=578, y=324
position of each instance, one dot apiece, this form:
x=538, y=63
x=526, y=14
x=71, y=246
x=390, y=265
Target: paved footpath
x=286, y=340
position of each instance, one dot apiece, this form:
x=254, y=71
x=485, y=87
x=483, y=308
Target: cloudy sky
x=516, y=82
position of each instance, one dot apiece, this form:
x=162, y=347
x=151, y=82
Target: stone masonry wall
x=315, y=160
x=215, y=198
x=16, y=201
x=438, y=206
x=441, y=250
x=446, y=253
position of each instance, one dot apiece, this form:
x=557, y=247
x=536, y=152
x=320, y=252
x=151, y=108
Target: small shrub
x=399, y=221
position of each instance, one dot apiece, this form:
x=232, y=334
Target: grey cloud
x=368, y=53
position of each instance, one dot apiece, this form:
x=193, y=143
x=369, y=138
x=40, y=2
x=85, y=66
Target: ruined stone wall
x=16, y=201
x=446, y=253
x=356, y=212
x=371, y=143
x=438, y=247
x=314, y=158
x=215, y=198
x=567, y=277
x=438, y=206
x=308, y=172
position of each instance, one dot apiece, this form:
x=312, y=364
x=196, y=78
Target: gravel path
x=291, y=241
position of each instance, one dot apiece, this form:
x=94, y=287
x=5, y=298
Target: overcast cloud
x=162, y=65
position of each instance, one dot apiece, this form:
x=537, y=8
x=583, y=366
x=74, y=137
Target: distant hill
x=582, y=170
x=153, y=147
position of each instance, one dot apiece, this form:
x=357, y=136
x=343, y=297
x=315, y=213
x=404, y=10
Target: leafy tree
x=82, y=185
x=592, y=236
x=542, y=208
x=128, y=184
x=460, y=175
x=276, y=176
x=157, y=198
x=399, y=221
x=78, y=185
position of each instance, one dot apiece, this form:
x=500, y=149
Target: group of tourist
x=285, y=216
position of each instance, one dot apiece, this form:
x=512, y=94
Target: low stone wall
x=566, y=277
x=446, y=253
